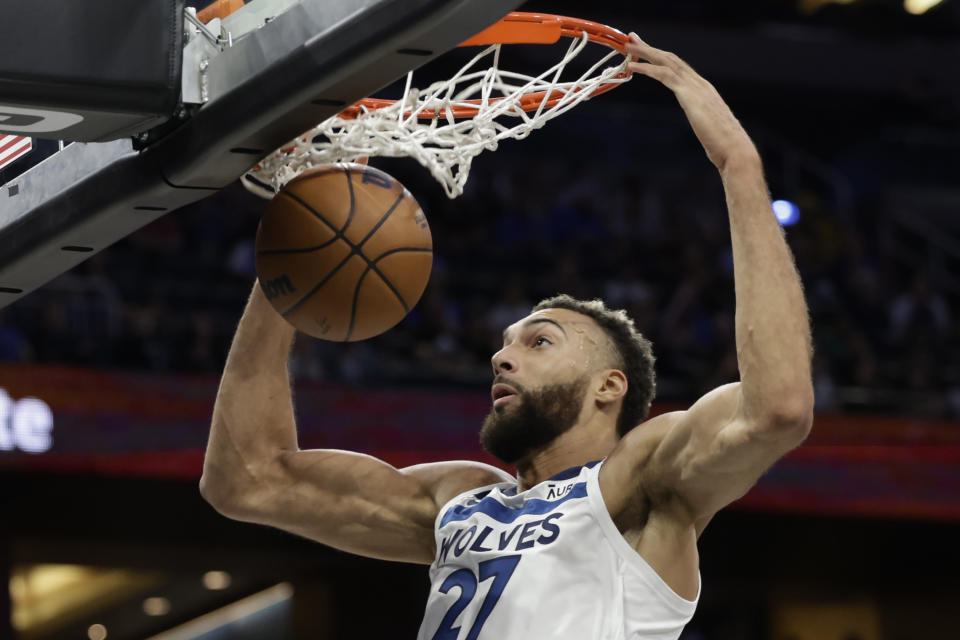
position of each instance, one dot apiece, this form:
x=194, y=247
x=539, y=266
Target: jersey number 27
x=500, y=569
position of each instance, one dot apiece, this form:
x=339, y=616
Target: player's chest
x=478, y=540
x=494, y=525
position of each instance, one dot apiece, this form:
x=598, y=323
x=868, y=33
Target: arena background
x=855, y=107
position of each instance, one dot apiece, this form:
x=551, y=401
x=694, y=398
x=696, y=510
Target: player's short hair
x=633, y=352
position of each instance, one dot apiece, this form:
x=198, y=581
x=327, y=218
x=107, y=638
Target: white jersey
x=542, y=564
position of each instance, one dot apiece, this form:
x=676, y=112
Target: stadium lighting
x=97, y=632
x=156, y=606
x=787, y=213
x=811, y=6
x=917, y=7
x=216, y=580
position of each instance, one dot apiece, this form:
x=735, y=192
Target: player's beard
x=533, y=419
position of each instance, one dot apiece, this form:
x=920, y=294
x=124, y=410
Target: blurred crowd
x=650, y=238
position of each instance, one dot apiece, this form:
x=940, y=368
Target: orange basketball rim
x=444, y=125
x=520, y=28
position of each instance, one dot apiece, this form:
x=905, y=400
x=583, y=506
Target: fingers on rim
x=655, y=71
x=640, y=49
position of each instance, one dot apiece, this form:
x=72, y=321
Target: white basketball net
x=445, y=145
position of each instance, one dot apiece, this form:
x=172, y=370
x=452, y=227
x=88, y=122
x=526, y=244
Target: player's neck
x=578, y=446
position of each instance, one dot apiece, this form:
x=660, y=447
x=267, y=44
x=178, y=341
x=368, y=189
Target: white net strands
x=447, y=124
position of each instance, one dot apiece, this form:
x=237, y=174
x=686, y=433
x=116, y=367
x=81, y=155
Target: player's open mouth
x=502, y=393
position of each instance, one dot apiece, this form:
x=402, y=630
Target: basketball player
x=596, y=536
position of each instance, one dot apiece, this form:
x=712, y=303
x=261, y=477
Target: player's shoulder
x=634, y=454
x=446, y=480
x=628, y=476
x=639, y=443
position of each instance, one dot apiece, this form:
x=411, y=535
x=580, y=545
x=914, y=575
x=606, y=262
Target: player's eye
x=539, y=341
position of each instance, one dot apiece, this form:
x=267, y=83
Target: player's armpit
x=349, y=501
x=712, y=454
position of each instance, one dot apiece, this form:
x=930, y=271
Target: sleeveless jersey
x=546, y=563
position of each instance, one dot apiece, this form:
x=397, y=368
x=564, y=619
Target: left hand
x=720, y=133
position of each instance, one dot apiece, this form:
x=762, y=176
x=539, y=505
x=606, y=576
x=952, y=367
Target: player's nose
x=503, y=362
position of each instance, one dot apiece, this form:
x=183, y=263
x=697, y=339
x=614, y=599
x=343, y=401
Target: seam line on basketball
x=399, y=250
x=372, y=267
x=376, y=227
x=386, y=281
x=338, y=235
x=353, y=308
x=313, y=211
x=316, y=288
x=403, y=302
x=274, y=252
x=372, y=263
x=354, y=249
x=353, y=200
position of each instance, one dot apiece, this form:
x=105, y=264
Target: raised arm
x=713, y=453
x=254, y=470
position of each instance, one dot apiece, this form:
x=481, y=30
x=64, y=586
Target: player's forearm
x=772, y=326
x=253, y=420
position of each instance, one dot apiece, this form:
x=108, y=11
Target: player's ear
x=612, y=386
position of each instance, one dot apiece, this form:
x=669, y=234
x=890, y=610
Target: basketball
x=343, y=252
